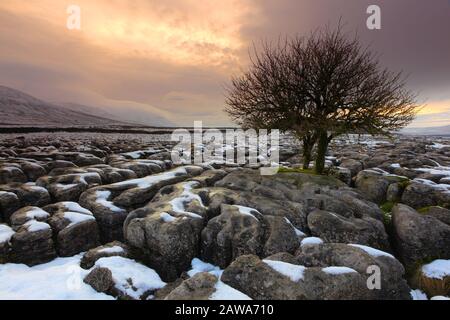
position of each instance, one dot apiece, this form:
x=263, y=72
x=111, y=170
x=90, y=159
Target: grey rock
x=200, y=287
x=418, y=237
x=108, y=250
x=335, y=228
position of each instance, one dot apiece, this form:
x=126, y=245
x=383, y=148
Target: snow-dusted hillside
x=18, y=108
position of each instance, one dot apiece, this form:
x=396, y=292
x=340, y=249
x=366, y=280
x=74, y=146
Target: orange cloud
x=187, y=32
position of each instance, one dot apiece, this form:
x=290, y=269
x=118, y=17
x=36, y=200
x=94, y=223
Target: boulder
x=26, y=214
x=74, y=228
x=32, y=244
x=200, y=287
x=293, y=211
x=374, y=184
x=27, y=194
x=259, y=281
x=111, y=203
x=69, y=187
x=124, y=278
x=353, y=165
x=419, y=195
x=101, y=280
x=419, y=238
x=111, y=249
x=439, y=213
x=32, y=170
x=164, y=242
x=236, y=231
x=332, y=227
x=278, y=280
x=279, y=236
x=11, y=173
x=9, y=203
x=359, y=258
x=433, y=278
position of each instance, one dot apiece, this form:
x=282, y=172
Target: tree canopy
x=319, y=87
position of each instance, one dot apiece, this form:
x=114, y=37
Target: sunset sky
x=168, y=61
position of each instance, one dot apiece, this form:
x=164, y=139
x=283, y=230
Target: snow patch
x=200, y=266
x=311, y=240
x=440, y=298
x=167, y=217
x=298, y=232
x=418, y=295
x=438, y=269
x=178, y=204
x=37, y=213
x=111, y=250
x=151, y=180
x=5, y=233
x=76, y=217
x=102, y=198
x=246, y=211
x=60, y=279
x=75, y=207
x=292, y=271
x=338, y=270
x=143, y=279
x=225, y=292
x=35, y=226
x=372, y=251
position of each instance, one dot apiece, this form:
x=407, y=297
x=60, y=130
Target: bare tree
x=266, y=97
x=319, y=88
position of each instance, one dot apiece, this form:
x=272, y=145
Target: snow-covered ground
x=60, y=279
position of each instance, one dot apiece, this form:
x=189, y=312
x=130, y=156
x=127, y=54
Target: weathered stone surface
x=433, y=278
x=166, y=245
x=269, y=279
x=69, y=187
x=31, y=245
x=419, y=238
x=359, y=258
x=353, y=165
x=26, y=214
x=11, y=173
x=335, y=228
x=439, y=213
x=111, y=249
x=230, y=235
x=419, y=195
x=9, y=203
x=100, y=279
x=28, y=194
x=279, y=236
x=256, y=279
x=111, y=203
x=200, y=287
x=374, y=184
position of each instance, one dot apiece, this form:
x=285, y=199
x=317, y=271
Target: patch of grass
x=424, y=209
x=297, y=170
x=387, y=206
x=404, y=184
x=387, y=209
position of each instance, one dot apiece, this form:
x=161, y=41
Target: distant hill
x=19, y=108
x=428, y=131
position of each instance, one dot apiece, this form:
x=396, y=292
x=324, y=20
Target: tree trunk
x=321, y=151
x=308, y=144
